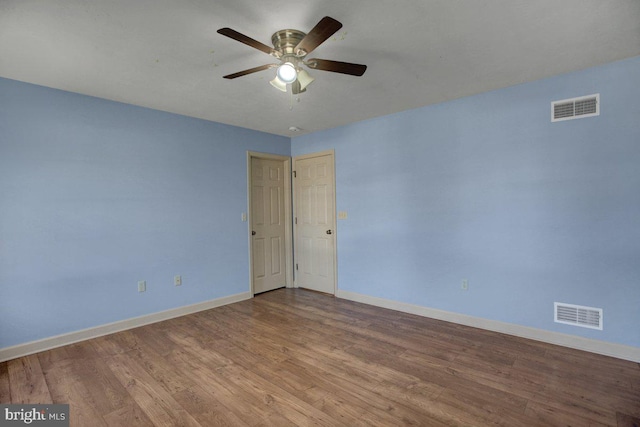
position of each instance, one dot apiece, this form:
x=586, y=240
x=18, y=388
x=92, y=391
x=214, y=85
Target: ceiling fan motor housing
x=285, y=41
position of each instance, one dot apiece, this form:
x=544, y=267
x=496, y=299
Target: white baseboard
x=32, y=347
x=619, y=351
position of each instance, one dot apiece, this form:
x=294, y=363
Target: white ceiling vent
x=577, y=315
x=575, y=108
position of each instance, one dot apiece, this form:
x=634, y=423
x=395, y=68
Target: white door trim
x=333, y=226
x=288, y=231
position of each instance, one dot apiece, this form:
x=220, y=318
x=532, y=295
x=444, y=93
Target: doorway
x=270, y=240
x=314, y=222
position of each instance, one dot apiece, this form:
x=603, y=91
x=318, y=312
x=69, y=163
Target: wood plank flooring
x=295, y=358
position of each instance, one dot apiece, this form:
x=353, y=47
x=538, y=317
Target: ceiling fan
x=291, y=47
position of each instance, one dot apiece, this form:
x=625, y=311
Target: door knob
x=328, y=231
x=253, y=233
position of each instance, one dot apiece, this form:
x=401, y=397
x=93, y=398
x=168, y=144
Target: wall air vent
x=577, y=315
x=575, y=108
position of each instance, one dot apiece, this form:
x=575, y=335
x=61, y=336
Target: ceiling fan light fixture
x=279, y=84
x=291, y=48
x=305, y=79
x=287, y=73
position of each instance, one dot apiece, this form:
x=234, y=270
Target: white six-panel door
x=314, y=222
x=268, y=225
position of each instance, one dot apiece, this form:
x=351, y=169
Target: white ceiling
x=166, y=54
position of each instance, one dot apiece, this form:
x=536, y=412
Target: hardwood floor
x=294, y=358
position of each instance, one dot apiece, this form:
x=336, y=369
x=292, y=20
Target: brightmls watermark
x=34, y=415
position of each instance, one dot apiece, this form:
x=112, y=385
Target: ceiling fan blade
x=250, y=70
x=336, y=66
x=318, y=34
x=233, y=34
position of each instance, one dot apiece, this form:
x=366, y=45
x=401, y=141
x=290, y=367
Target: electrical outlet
x=177, y=280
x=342, y=215
x=243, y=217
x=465, y=284
x=142, y=285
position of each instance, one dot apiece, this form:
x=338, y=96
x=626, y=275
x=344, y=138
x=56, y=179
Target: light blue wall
x=96, y=195
x=487, y=189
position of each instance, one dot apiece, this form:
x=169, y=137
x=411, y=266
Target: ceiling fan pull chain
x=291, y=101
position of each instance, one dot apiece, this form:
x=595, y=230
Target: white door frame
x=288, y=232
x=333, y=226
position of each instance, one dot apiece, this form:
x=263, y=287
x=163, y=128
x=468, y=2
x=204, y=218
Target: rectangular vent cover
x=575, y=108
x=577, y=315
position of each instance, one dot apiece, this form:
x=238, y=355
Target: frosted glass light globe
x=287, y=73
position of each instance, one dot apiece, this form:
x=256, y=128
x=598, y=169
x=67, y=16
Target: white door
x=268, y=224
x=315, y=222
